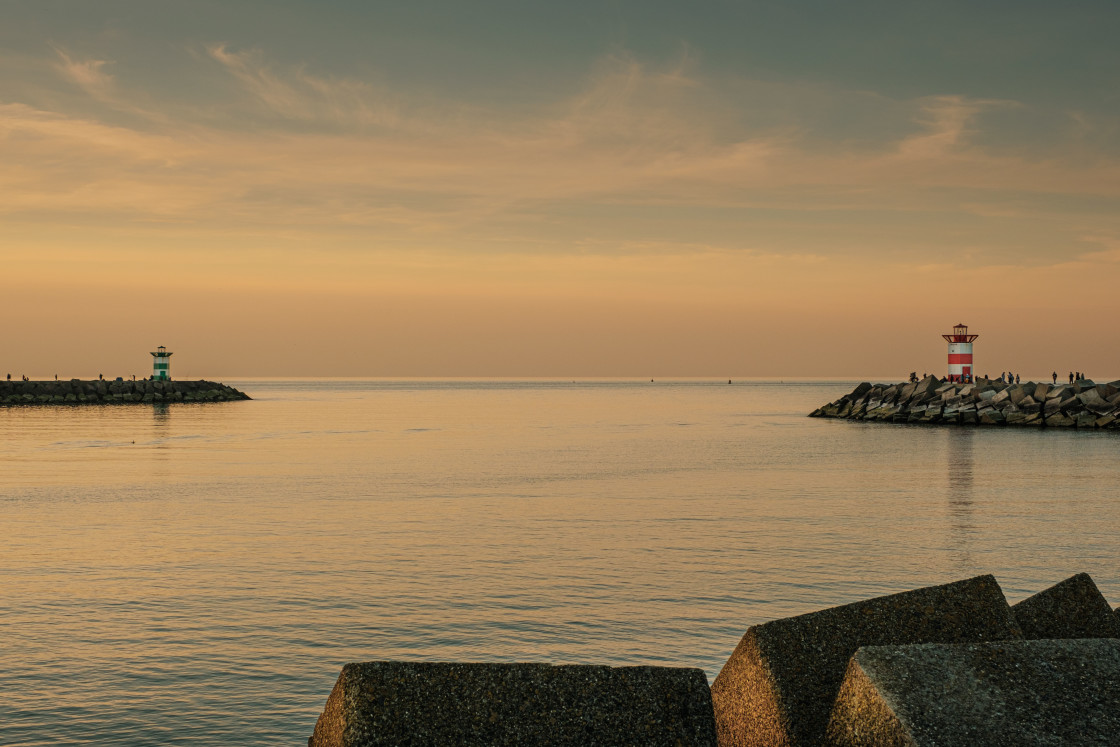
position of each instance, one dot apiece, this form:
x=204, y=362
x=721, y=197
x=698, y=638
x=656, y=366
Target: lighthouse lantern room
x=161, y=367
x=960, y=353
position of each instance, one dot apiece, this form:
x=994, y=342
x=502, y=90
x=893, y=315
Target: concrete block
x=1091, y=397
x=1080, y=386
x=424, y=703
x=1058, y=420
x=1074, y=608
x=1085, y=419
x=1049, y=692
x=779, y=684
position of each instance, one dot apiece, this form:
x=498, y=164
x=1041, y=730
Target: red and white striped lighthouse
x=960, y=353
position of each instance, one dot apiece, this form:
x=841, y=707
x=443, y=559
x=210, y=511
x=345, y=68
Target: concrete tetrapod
x=1074, y=608
x=779, y=685
x=393, y=703
x=1048, y=692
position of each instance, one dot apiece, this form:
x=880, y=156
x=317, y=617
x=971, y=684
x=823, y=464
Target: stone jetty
x=949, y=664
x=118, y=391
x=1082, y=404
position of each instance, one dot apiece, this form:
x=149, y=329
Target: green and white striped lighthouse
x=161, y=368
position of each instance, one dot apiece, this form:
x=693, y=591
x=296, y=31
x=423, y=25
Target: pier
x=116, y=392
x=1080, y=404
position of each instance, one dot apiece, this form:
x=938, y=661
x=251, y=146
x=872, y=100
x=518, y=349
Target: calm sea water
x=199, y=573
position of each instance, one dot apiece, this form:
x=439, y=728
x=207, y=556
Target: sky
x=591, y=189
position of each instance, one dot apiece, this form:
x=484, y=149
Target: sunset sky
x=558, y=189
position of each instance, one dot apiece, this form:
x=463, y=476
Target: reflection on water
x=959, y=469
x=192, y=571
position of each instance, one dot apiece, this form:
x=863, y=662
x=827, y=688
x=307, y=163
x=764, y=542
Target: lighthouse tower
x=161, y=367
x=960, y=353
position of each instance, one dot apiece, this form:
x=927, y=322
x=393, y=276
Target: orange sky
x=643, y=202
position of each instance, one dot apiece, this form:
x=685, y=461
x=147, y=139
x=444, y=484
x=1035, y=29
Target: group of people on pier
x=1005, y=377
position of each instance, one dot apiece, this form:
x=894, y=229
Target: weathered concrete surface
x=100, y=392
x=1049, y=692
x=392, y=703
x=1082, y=404
x=779, y=685
x=1074, y=608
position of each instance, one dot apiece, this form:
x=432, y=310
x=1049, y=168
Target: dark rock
x=927, y=386
x=779, y=685
x=1058, y=420
x=1083, y=384
x=1091, y=397
x=990, y=416
x=1048, y=692
x=861, y=390
x=395, y=703
x=1085, y=419
x=1074, y=608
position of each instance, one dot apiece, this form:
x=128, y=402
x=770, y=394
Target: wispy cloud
x=662, y=140
x=299, y=95
x=90, y=75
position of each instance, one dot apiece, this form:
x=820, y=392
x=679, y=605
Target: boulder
x=1074, y=608
x=393, y=703
x=991, y=416
x=779, y=684
x=927, y=386
x=1058, y=420
x=1083, y=384
x=1092, y=397
x=1042, y=692
x=861, y=390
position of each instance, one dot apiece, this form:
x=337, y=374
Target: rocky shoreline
x=1082, y=404
x=119, y=391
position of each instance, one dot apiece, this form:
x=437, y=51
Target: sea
x=199, y=573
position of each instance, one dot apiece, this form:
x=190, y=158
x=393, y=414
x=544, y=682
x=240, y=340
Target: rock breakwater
x=1082, y=404
x=100, y=392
